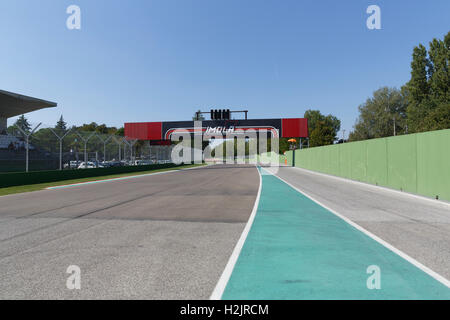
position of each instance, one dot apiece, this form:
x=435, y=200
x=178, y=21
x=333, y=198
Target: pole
x=85, y=147
x=60, y=154
x=85, y=154
x=149, y=151
x=27, y=135
x=293, y=157
x=60, y=138
x=26, y=156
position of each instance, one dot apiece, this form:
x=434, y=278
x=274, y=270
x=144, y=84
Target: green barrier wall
x=23, y=178
x=417, y=163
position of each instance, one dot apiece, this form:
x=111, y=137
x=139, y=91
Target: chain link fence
x=35, y=147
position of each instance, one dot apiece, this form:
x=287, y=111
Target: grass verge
x=41, y=186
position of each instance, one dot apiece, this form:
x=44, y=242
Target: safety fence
x=416, y=163
x=35, y=147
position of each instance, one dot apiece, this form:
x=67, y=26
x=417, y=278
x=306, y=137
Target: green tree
x=88, y=127
x=103, y=129
x=100, y=128
x=120, y=132
x=428, y=91
x=283, y=145
x=439, y=75
x=328, y=126
x=23, y=123
x=61, y=125
x=418, y=86
x=44, y=139
x=322, y=134
x=383, y=115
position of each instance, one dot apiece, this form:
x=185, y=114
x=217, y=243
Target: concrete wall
x=3, y=124
x=417, y=163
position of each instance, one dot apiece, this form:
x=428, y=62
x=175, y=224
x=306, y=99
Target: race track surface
x=419, y=227
x=299, y=249
x=171, y=235
x=166, y=236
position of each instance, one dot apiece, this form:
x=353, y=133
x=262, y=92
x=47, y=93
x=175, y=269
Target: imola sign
x=162, y=131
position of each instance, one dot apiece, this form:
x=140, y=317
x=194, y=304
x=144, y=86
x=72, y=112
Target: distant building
x=13, y=104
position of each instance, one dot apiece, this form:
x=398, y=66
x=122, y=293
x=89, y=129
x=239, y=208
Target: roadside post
x=293, y=146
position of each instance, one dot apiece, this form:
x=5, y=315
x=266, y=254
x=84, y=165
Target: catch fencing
x=37, y=147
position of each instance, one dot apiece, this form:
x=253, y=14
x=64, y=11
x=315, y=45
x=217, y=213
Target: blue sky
x=162, y=60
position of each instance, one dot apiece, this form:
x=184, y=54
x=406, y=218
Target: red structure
x=161, y=131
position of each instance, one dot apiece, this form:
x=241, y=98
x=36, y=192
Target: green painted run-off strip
x=296, y=249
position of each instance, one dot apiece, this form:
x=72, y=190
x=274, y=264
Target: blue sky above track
x=162, y=60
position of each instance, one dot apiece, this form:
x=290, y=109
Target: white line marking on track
x=117, y=179
x=379, y=188
x=225, y=277
x=411, y=260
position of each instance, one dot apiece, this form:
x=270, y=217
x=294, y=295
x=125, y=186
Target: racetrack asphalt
x=417, y=226
x=170, y=235
x=299, y=249
x=166, y=236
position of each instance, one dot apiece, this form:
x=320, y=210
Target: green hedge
x=23, y=178
x=9, y=166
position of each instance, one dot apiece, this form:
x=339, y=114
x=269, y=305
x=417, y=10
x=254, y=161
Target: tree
x=120, y=132
x=418, y=86
x=99, y=128
x=428, y=91
x=439, y=56
x=61, y=125
x=198, y=116
x=88, y=127
x=328, y=125
x=284, y=145
x=103, y=129
x=383, y=115
x=23, y=124
x=322, y=134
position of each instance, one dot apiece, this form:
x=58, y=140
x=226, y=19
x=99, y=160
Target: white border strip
x=225, y=277
x=377, y=187
x=411, y=260
x=119, y=179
